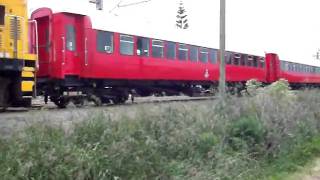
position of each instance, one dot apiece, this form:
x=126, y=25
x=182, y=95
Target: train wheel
x=78, y=102
x=96, y=100
x=4, y=99
x=61, y=102
x=25, y=102
x=119, y=100
x=4, y=94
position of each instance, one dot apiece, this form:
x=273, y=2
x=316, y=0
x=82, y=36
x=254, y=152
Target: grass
x=264, y=136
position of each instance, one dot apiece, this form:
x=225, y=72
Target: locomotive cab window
x=183, y=52
x=204, y=55
x=157, y=48
x=71, y=38
x=142, y=46
x=194, y=53
x=126, y=45
x=2, y=14
x=105, y=42
x=171, y=50
x=213, y=56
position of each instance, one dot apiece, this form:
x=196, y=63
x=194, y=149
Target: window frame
x=203, y=50
x=104, y=33
x=71, y=39
x=262, y=62
x=158, y=46
x=143, y=53
x=236, y=59
x=127, y=41
x=172, y=49
x=213, y=53
x=2, y=15
x=197, y=53
x=184, y=48
x=255, y=62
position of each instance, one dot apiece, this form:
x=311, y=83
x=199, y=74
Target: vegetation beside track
x=267, y=134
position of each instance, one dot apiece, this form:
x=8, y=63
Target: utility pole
x=222, y=79
x=99, y=4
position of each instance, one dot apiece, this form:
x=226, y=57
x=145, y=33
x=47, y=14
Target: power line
x=119, y=5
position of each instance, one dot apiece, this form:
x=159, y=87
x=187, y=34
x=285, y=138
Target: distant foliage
x=280, y=89
x=182, y=21
x=252, y=87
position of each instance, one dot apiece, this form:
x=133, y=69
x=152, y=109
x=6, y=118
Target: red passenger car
x=78, y=61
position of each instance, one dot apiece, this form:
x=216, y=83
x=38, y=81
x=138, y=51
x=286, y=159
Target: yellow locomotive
x=17, y=58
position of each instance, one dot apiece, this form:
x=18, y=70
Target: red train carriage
x=298, y=75
x=78, y=61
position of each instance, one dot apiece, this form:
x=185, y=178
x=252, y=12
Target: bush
x=239, y=138
x=247, y=133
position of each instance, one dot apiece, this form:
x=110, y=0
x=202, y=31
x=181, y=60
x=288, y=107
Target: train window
x=228, y=58
x=105, y=42
x=2, y=14
x=183, y=52
x=171, y=50
x=142, y=46
x=244, y=59
x=126, y=45
x=204, y=55
x=290, y=67
x=236, y=59
x=157, y=48
x=287, y=66
x=262, y=63
x=255, y=61
x=213, y=56
x=249, y=61
x=71, y=38
x=193, y=53
x=47, y=40
x=282, y=65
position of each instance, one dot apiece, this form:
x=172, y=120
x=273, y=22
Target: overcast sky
x=290, y=28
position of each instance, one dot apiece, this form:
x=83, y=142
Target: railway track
x=39, y=105
x=16, y=119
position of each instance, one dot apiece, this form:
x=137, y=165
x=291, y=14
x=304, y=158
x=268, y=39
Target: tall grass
x=252, y=137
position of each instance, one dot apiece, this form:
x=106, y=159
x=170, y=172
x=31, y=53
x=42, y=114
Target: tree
x=182, y=21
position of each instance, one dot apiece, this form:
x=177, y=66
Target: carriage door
x=272, y=67
x=73, y=40
x=43, y=46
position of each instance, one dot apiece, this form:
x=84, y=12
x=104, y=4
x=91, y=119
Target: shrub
x=246, y=132
x=232, y=139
